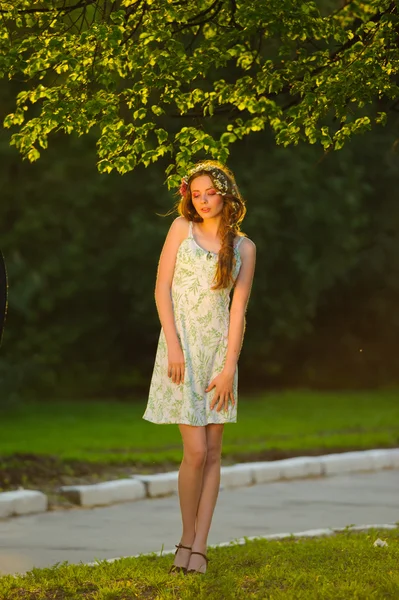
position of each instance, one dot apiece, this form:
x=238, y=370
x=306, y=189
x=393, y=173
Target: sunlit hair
x=232, y=214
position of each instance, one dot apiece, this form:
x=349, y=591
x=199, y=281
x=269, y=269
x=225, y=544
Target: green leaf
x=33, y=155
x=162, y=135
x=228, y=138
x=140, y=114
x=157, y=110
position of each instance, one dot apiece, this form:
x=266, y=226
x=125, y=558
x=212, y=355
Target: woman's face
x=206, y=200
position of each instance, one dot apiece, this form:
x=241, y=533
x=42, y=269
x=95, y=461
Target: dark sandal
x=196, y=570
x=175, y=568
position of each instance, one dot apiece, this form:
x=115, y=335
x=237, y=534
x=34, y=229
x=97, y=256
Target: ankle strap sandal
x=174, y=568
x=196, y=570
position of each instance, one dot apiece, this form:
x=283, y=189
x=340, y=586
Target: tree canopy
x=178, y=78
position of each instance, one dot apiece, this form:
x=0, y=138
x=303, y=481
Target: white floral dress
x=202, y=325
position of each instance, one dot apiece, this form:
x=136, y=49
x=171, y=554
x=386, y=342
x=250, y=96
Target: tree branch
x=336, y=54
x=191, y=23
x=194, y=38
x=59, y=10
x=131, y=34
x=206, y=11
x=233, y=21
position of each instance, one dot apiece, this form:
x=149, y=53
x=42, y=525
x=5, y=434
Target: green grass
x=291, y=421
x=341, y=567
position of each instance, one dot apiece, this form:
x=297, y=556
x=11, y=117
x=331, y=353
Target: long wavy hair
x=233, y=213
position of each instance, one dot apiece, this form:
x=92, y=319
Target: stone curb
x=243, y=474
x=107, y=492
x=160, y=484
x=274, y=536
x=22, y=502
x=138, y=487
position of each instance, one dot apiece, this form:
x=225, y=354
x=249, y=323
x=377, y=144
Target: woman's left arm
x=242, y=290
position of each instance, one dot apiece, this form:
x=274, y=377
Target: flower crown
x=221, y=180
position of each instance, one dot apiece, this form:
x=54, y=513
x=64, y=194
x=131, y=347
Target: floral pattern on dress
x=202, y=324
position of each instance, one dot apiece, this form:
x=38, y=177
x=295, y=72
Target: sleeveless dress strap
x=190, y=230
x=239, y=241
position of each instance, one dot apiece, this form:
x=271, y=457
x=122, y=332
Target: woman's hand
x=224, y=390
x=176, y=363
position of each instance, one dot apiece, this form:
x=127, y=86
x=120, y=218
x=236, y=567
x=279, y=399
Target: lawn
x=341, y=567
x=40, y=440
x=290, y=421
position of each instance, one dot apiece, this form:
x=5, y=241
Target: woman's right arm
x=163, y=299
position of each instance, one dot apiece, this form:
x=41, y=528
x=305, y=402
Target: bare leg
x=209, y=492
x=190, y=484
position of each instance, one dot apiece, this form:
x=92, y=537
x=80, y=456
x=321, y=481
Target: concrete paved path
x=145, y=526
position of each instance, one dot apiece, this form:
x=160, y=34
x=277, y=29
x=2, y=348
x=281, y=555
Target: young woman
x=194, y=382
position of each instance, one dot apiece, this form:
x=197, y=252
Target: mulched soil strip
x=48, y=473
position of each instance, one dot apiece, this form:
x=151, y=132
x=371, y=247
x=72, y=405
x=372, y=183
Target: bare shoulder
x=181, y=222
x=178, y=231
x=179, y=228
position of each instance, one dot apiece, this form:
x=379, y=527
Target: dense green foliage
x=146, y=81
x=180, y=78
x=82, y=251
